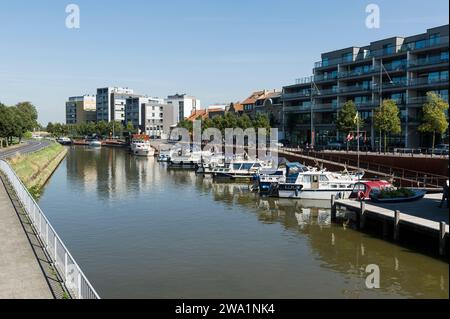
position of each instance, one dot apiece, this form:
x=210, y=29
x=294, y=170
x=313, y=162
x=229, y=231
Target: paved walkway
x=425, y=208
x=21, y=276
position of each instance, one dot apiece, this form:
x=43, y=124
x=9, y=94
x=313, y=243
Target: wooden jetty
x=364, y=211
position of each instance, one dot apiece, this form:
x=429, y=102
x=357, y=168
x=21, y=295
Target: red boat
x=363, y=189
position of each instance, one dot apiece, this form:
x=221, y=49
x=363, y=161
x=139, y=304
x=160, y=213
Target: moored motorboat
x=268, y=180
x=94, y=143
x=240, y=169
x=140, y=146
x=317, y=184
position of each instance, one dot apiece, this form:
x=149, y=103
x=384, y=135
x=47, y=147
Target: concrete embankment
x=34, y=169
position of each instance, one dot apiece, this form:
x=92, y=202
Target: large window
x=388, y=48
x=347, y=57
x=434, y=38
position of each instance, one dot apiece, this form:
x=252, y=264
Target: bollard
x=333, y=207
x=442, y=238
x=396, y=225
x=362, y=219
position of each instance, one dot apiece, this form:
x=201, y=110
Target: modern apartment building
x=183, y=104
x=111, y=103
x=400, y=68
x=81, y=109
x=146, y=113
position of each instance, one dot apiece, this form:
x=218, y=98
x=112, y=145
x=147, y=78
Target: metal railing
x=65, y=264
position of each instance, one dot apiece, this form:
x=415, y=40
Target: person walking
x=444, y=195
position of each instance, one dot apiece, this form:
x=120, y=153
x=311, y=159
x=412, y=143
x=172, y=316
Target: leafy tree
x=434, y=117
x=50, y=127
x=102, y=128
x=261, y=121
x=28, y=115
x=387, y=119
x=188, y=125
x=345, y=121
x=244, y=122
x=230, y=120
x=207, y=123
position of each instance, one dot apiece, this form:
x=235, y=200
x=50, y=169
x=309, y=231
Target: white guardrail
x=65, y=264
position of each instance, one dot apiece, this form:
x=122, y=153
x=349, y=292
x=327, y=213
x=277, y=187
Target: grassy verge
x=36, y=168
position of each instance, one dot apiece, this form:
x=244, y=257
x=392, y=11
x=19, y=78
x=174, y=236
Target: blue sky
x=219, y=51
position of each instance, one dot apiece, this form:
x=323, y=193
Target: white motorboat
x=268, y=180
x=95, y=143
x=209, y=162
x=317, y=184
x=240, y=169
x=142, y=147
x=187, y=159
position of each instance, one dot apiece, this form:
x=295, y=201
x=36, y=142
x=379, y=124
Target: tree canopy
x=434, y=117
x=387, y=119
x=16, y=121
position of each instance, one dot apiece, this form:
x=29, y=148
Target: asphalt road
x=27, y=147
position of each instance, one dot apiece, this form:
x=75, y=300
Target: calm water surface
x=139, y=230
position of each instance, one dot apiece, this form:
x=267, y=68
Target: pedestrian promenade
x=21, y=276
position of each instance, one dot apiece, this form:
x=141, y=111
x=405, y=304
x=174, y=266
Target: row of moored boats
x=288, y=180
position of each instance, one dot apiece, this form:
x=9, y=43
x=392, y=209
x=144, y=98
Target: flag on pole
x=355, y=120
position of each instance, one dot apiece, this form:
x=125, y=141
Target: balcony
x=428, y=81
x=423, y=99
x=356, y=73
x=355, y=88
x=295, y=95
x=413, y=46
x=428, y=61
x=325, y=77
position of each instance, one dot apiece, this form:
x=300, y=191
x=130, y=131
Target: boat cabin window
x=323, y=178
x=236, y=166
x=359, y=188
x=257, y=165
x=307, y=178
x=247, y=166
x=315, y=178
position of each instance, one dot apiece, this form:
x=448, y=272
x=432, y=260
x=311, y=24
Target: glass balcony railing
x=354, y=88
x=413, y=46
x=296, y=94
x=428, y=61
x=427, y=81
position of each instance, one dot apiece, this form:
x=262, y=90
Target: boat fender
x=296, y=191
x=361, y=195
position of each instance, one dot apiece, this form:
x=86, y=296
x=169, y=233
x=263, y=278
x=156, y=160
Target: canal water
x=140, y=230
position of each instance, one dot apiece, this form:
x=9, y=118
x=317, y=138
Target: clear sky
x=217, y=50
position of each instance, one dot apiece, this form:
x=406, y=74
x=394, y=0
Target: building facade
x=183, y=105
x=111, y=103
x=147, y=114
x=81, y=109
x=403, y=69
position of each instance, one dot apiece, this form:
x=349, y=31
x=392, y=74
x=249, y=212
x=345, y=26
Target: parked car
x=441, y=149
x=335, y=146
